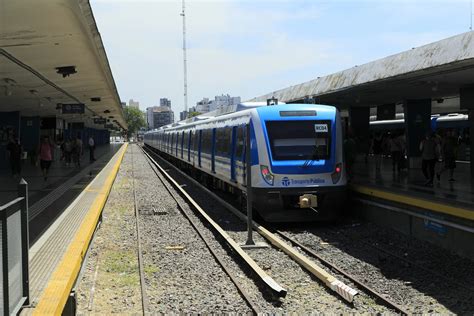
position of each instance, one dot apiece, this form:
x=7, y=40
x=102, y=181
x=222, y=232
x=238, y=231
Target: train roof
x=438, y=117
x=225, y=111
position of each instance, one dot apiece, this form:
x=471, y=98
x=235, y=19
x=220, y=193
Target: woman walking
x=45, y=153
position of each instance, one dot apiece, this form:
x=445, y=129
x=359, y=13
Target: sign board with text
x=73, y=108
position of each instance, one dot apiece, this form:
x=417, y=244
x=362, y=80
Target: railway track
x=343, y=290
x=143, y=291
x=276, y=288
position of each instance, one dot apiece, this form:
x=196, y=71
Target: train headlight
x=266, y=174
x=336, y=175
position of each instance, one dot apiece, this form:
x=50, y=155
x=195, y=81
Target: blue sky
x=249, y=48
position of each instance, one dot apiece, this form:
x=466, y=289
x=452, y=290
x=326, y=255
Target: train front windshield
x=299, y=140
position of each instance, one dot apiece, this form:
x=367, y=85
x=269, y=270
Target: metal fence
x=14, y=274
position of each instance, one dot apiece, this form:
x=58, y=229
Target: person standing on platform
x=402, y=163
x=350, y=151
x=429, y=153
x=377, y=150
x=91, y=149
x=15, y=151
x=45, y=154
x=67, y=148
x=396, y=153
x=449, y=149
x=77, y=150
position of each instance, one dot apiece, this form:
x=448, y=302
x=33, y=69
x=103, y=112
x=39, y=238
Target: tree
x=192, y=114
x=135, y=119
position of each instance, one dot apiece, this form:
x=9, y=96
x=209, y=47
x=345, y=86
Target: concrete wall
x=450, y=238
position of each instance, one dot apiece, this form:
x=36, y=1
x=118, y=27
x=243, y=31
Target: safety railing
x=14, y=274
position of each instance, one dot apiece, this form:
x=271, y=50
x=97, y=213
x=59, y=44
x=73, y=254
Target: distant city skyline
x=249, y=48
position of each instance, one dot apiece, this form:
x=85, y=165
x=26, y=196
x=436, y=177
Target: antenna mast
x=470, y=28
x=185, y=67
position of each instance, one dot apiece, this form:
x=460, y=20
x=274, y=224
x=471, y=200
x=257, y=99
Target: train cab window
x=240, y=142
x=299, y=140
x=223, y=141
x=206, y=141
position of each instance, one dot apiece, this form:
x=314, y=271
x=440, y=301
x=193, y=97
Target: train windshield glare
x=299, y=140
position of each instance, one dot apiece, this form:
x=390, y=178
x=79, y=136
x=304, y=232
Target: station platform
x=442, y=213
x=452, y=198
x=56, y=257
x=47, y=199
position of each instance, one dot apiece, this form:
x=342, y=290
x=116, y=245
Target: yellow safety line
x=422, y=203
x=57, y=290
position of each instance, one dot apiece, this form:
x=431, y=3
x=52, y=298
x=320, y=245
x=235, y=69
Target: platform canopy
x=436, y=70
x=51, y=53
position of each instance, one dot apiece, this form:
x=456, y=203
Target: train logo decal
x=287, y=181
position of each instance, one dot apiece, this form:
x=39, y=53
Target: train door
x=199, y=146
x=189, y=145
x=213, y=151
x=233, y=151
x=182, y=143
x=172, y=144
x=176, y=145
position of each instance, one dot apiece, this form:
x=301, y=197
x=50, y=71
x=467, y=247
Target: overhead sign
x=73, y=108
x=100, y=121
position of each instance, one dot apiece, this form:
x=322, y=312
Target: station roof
x=433, y=71
x=36, y=37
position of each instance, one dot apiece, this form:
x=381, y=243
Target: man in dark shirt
x=14, y=153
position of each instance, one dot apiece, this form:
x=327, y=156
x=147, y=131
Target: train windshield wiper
x=314, y=156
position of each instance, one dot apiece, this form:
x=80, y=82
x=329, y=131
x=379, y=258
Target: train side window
x=172, y=142
x=177, y=144
x=240, y=143
x=223, y=141
x=196, y=144
x=219, y=141
x=185, y=143
x=189, y=144
x=206, y=142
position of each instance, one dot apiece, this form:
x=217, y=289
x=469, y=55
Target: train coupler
x=308, y=201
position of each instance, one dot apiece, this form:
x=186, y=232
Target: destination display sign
x=73, y=108
x=321, y=128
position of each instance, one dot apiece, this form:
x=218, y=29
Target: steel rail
x=139, y=245
x=274, y=287
x=349, y=276
x=334, y=284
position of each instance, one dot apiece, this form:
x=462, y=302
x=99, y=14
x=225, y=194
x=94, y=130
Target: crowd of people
x=71, y=152
x=440, y=147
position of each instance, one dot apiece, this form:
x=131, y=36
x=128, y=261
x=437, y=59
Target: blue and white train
x=297, y=159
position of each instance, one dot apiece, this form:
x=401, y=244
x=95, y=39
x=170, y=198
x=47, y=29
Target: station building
x=55, y=78
x=434, y=78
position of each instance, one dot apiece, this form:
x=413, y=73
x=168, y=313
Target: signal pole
x=185, y=67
